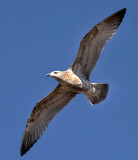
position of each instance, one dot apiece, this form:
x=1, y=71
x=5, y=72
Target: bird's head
x=56, y=75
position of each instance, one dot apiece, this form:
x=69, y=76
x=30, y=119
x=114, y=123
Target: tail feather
x=97, y=93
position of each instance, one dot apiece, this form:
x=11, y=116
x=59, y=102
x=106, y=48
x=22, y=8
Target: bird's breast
x=75, y=83
x=72, y=79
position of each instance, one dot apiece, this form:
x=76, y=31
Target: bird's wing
x=93, y=43
x=42, y=114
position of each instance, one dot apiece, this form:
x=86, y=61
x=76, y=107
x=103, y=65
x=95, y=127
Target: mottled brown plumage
x=93, y=43
x=73, y=81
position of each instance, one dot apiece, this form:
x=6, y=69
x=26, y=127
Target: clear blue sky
x=37, y=37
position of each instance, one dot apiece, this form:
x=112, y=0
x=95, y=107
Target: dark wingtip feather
x=24, y=148
x=121, y=12
x=118, y=16
x=26, y=143
x=124, y=10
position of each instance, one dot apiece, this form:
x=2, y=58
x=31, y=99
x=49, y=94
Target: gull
x=73, y=81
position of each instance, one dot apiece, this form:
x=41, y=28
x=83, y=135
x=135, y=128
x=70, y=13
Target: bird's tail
x=97, y=93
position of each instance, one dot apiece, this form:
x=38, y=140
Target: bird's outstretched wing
x=42, y=114
x=93, y=43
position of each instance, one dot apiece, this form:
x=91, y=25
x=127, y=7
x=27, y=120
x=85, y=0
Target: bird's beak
x=48, y=74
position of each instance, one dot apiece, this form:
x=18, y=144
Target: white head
x=56, y=75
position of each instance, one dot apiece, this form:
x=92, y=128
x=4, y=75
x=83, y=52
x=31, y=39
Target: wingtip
x=22, y=153
x=22, y=150
x=123, y=10
x=26, y=143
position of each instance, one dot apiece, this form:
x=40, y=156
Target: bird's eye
x=55, y=72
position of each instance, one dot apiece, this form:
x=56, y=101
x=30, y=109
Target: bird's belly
x=74, y=83
x=80, y=87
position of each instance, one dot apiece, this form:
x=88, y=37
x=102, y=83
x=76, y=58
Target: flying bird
x=73, y=81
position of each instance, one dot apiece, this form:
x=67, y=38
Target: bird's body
x=78, y=84
x=73, y=81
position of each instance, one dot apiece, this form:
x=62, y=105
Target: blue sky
x=38, y=37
